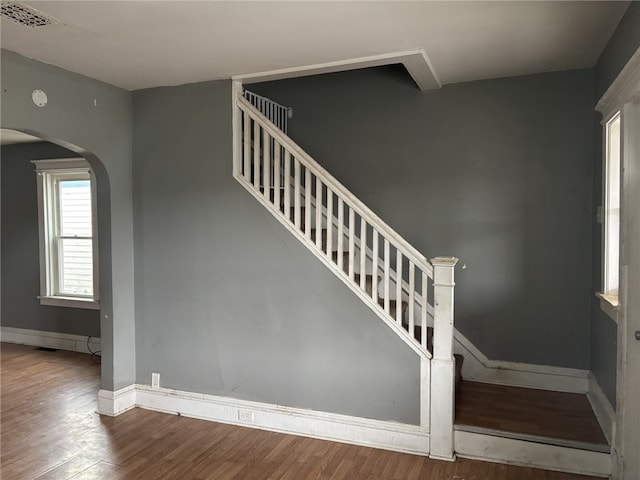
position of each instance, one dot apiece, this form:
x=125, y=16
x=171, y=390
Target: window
x=68, y=253
x=611, y=211
x=620, y=109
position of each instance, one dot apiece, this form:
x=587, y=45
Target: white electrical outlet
x=155, y=380
x=245, y=415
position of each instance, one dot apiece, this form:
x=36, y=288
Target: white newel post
x=442, y=363
x=236, y=91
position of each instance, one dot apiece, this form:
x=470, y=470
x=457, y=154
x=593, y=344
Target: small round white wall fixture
x=39, y=98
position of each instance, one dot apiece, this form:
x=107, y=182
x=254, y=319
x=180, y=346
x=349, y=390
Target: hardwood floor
x=50, y=431
x=566, y=416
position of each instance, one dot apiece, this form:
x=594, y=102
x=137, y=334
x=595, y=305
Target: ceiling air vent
x=26, y=15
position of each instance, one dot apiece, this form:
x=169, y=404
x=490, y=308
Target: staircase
x=413, y=296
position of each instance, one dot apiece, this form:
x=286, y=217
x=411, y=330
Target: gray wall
x=498, y=173
x=623, y=44
x=20, y=255
x=227, y=301
x=92, y=119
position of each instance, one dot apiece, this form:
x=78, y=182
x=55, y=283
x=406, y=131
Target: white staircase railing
x=277, y=114
x=382, y=268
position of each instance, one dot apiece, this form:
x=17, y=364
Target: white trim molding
x=113, y=404
x=478, y=368
x=70, y=302
x=51, y=173
x=602, y=408
x=624, y=89
x=415, y=61
x=398, y=437
x=609, y=305
x=61, y=341
x=386, y=435
x=488, y=448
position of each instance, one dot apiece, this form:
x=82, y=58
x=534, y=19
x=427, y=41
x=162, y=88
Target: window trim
x=609, y=297
x=621, y=97
x=47, y=270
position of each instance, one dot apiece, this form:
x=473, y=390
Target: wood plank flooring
x=50, y=431
x=566, y=416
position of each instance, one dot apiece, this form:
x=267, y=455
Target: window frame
x=623, y=98
x=609, y=296
x=49, y=173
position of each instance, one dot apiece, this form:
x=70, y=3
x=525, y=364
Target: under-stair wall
x=493, y=170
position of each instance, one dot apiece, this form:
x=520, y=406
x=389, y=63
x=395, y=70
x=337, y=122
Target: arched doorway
x=21, y=307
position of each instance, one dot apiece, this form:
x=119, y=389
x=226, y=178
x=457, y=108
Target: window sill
x=609, y=304
x=70, y=302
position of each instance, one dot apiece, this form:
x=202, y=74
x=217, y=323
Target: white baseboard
x=489, y=448
x=352, y=430
x=327, y=426
x=602, y=408
x=114, y=403
x=61, y=341
x=478, y=368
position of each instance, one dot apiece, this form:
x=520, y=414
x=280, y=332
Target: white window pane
x=76, y=266
x=75, y=208
x=612, y=207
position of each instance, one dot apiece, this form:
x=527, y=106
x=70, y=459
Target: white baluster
x=256, y=156
x=307, y=203
x=398, y=286
x=340, y=259
x=296, y=193
x=287, y=185
x=318, y=212
x=387, y=269
x=374, y=263
x=363, y=253
x=247, y=146
x=412, y=297
x=423, y=312
x=276, y=174
x=352, y=246
x=329, y=223
x=266, y=165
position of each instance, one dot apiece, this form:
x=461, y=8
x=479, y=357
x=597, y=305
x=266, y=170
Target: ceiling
x=145, y=44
